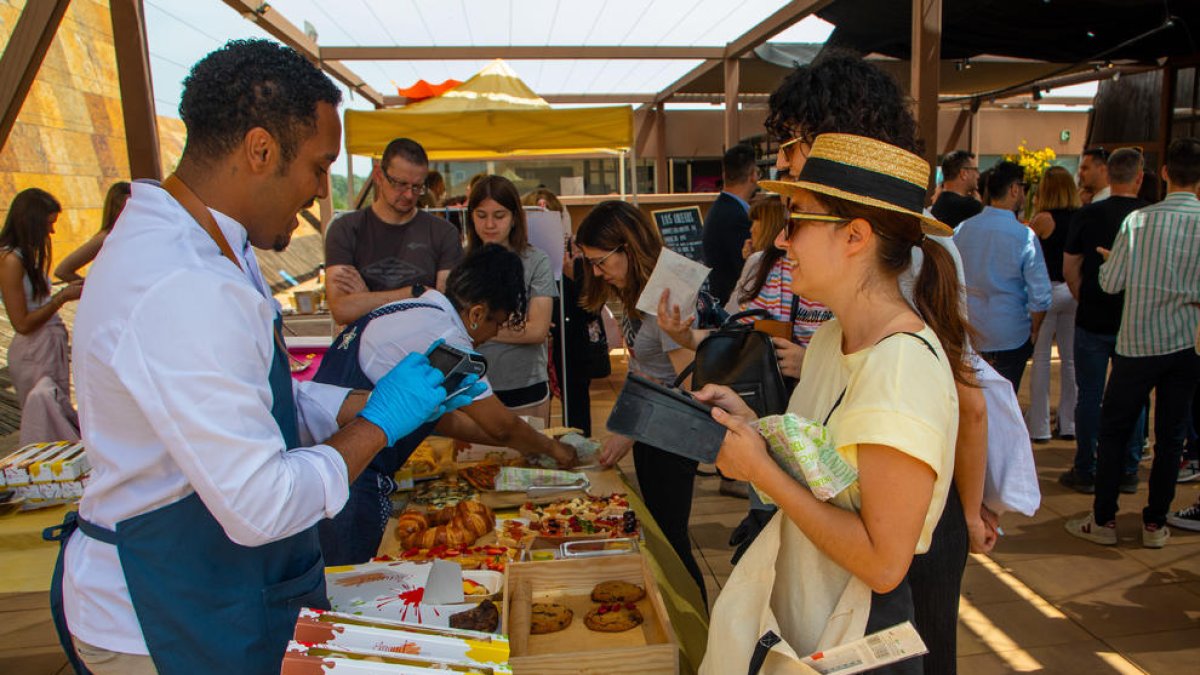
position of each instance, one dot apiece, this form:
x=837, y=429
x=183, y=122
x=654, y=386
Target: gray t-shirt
x=648, y=347
x=393, y=256
x=516, y=366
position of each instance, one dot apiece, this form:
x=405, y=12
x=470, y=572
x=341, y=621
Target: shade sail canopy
x=1063, y=31
x=493, y=114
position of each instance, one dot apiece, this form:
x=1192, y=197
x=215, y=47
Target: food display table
x=28, y=640
x=681, y=597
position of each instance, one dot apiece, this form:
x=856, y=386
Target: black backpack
x=743, y=359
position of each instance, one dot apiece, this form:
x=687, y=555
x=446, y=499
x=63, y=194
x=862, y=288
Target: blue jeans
x=1093, y=352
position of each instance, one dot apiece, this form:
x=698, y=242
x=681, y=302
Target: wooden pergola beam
x=773, y=25
x=27, y=47
x=137, y=91
x=515, y=52
x=733, y=76
x=278, y=27
x=925, y=67
x=688, y=78
x=781, y=20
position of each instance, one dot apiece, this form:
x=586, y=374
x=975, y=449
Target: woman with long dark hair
x=38, y=358
x=620, y=248
x=518, y=362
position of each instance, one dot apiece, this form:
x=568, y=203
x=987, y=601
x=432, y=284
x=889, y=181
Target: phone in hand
x=455, y=364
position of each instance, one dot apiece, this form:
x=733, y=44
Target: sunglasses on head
x=789, y=148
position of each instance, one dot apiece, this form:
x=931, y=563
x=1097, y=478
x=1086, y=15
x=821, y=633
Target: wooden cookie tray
x=649, y=648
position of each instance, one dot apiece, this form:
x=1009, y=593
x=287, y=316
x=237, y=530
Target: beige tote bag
x=785, y=599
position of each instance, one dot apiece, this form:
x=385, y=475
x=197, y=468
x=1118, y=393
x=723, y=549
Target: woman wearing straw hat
x=883, y=382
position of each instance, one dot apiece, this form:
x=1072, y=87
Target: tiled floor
x=1042, y=601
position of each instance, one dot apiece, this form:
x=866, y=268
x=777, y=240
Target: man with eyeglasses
x=1007, y=282
x=390, y=250
x=960, y=180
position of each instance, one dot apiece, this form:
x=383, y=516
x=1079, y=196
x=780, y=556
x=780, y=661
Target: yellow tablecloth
x=27, y=562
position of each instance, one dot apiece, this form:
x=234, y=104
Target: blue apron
x=354, y=534
x=204, y=603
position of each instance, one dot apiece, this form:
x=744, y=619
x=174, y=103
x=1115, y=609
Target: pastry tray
x=648, y=648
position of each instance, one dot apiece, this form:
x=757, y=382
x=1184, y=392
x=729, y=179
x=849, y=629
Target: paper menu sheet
x=679, y=274
x=890, y=645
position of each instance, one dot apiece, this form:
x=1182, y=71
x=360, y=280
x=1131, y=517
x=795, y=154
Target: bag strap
x=923, y=341
x=204, y=218
x=200, y=213
x=843, y=394
x=795, y=307
x=835, y=406
x=683, y=374
x=761, y=649
x=734, y=319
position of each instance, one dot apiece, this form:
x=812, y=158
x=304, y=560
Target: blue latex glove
x=404, y=399
x=471, y=386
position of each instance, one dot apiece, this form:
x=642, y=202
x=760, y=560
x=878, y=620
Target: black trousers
x=1010, y=363
x=667, y=481
x=936, y=581
x=887, y=610
x=1173, y=379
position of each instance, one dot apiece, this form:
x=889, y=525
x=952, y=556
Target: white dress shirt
x=172, y=350
x=391, y=337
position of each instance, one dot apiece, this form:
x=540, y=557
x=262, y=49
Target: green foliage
x=340, y=199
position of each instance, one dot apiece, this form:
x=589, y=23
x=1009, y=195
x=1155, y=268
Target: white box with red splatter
x=399, y=590
x=323, y=634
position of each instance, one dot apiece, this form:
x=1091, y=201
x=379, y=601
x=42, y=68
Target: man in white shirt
x=197, y=538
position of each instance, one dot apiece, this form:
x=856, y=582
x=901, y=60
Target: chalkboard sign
x=682, y=230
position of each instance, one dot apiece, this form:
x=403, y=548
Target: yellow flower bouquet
x=1035, y=163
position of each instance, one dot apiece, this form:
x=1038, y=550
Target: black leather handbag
x=743, y=359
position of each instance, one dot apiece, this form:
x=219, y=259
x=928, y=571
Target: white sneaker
x=1186, y=519
x=1156, y=537
x=1085, y=527
x=1189, y=470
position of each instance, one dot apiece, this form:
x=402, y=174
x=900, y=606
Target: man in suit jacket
x=727, y=225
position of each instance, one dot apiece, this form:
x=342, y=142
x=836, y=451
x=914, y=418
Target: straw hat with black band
x=865, y=171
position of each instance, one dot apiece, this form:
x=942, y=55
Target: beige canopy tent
x=494, y=114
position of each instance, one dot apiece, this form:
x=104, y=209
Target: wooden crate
x=649, y=648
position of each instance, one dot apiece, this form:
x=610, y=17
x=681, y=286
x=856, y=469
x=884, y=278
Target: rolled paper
x=803, y=448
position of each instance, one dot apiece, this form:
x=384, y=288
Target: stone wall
x=69, y=138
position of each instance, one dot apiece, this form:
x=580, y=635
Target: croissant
x=477, y=525
x=411, y=522
x=458, y=525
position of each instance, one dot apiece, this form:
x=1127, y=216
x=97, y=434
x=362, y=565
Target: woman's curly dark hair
x=490, y=275
x=839, y=92
x=247, y=84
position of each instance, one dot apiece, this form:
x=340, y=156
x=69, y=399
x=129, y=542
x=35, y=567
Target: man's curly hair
x=247, y=84
x=839, y=92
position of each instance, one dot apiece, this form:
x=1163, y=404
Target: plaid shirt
x=1156, y=261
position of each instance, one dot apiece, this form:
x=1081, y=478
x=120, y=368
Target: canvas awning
x=493, y=114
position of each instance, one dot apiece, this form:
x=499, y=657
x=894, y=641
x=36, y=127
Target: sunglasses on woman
x=797, y=217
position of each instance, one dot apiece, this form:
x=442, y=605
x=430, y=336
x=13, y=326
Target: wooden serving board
x=649, y=648
x=498, y=501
